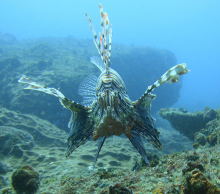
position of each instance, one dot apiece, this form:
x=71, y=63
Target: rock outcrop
x=202, y=127
x=25, y=130
x=188, y=123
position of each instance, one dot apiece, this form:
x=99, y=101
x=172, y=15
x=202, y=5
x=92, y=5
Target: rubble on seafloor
x=188, y=172
x=202, y=127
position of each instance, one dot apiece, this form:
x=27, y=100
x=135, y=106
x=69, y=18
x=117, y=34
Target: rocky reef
x=27, y=140
x=202, y=127
x=189, y=172
x=20, y=136
x=25, y=131
x=64, y=63
x=6, y=38
x=197, y=183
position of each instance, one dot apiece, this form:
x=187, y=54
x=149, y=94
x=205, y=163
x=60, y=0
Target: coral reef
x=13, y=141
x=7, y=38
x=189, y=123
x=64, y=62
x=27, y=139
x=25, y=180
x=19, y=129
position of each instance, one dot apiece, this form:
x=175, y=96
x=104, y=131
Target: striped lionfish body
x=107, y=109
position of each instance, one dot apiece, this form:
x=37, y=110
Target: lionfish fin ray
x=138, y=145
x=98, y=63
x=66, y=103
x=171, y=76
x=102, y=45
x=101, y=142
x=87, y=89
x=78, y=138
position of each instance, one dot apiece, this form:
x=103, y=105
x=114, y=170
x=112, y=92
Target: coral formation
x=189, y=123
x=13, y=141
x=197, y=183
x=25, y=180
x=167, y=174
x=33, y=130
x=119, y=189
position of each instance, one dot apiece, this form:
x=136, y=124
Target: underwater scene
x=109, y=97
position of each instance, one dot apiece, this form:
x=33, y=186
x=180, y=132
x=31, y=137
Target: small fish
x=107, y=109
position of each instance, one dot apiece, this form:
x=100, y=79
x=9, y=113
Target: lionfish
x=107, y=109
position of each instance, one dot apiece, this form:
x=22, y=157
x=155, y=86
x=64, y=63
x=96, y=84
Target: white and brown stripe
x=101, y=43
x=170, y=77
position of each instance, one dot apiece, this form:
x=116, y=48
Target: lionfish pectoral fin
x=99, y=149
x=78, y=137
x=71, y=105
x=145, y=100
x=87, y=89
x=138, y=144
x=171, y=76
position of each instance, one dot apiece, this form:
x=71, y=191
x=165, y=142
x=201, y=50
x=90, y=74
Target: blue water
x=190, y=29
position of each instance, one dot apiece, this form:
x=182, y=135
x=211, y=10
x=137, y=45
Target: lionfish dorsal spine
x=101, y=42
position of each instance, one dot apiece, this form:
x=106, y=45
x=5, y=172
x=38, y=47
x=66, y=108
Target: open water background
x=190, y=29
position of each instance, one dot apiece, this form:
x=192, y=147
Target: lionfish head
x=112, y=104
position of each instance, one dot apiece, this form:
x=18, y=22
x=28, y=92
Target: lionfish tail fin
x=101, y=44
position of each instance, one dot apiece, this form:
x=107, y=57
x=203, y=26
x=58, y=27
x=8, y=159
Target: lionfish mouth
x=112, y=114
x=108, y=100
x=109, y=125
